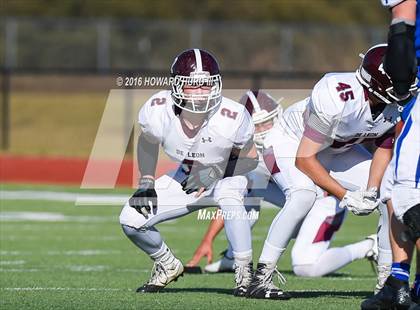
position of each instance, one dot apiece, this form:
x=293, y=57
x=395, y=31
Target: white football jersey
x=229, y=125
x=338, y=113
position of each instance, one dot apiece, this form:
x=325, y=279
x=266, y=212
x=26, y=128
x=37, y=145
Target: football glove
x=360, y=202
x=144, y=200
x=201, y=176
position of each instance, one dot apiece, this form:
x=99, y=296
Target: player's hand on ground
x=144, y=200
x=205, y=249
x=360, y=202
x=201, y=178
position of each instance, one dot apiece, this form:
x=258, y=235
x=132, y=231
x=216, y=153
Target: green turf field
x=76, y=257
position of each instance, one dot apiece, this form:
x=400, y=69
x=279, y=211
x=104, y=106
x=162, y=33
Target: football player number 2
x=229, y=113
x=345, y=91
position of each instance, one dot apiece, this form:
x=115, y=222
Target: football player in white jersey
x=317, y=146
x=400, y=186
x=211, y=137
x=311, y=255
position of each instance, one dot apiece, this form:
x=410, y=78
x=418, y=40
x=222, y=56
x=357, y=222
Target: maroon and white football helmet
x=196, y=68
x=263, y=108
x=371, y=74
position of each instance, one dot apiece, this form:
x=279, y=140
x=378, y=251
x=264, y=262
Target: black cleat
x=415, y=299
x=243, y=276
x=262, y=286
x=394, y=295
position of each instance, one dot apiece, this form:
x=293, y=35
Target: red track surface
x=61, y=170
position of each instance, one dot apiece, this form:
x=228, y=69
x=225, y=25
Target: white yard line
x=11, y=262
x=62, y=289
x=25, y=216
x=87, y=252
x=78, y=198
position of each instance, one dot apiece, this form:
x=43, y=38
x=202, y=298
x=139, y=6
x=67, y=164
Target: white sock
x=164, y=250
x=270, y=254
x=243, y=258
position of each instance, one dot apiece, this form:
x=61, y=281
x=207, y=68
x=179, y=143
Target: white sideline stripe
x=80, y=199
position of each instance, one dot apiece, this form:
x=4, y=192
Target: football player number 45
x=345, y=91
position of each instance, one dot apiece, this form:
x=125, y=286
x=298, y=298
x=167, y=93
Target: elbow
x=303, y=163
x=300, y=163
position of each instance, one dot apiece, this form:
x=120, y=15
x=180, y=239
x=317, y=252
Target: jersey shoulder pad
x=233, y=121
x=324, y=96
x=334, y=92
x=153, y=114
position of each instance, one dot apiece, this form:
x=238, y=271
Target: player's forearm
x=147, y=156
x=380, y=161
x=320, y=176
x=216, y=225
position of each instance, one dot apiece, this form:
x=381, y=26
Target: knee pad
x=411, y=219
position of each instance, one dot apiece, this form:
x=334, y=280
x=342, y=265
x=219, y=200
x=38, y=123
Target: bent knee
x=309, y=270
x=129, y=231
x=303, y=195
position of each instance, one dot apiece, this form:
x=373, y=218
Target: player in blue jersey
x=401, y=184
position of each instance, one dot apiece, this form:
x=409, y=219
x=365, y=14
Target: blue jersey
x=417, y=39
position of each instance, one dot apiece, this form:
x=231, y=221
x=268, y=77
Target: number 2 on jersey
x=158, y=101
x=228, y=113
x=345, y=91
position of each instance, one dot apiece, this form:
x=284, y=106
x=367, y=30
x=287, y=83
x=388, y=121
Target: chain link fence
x=51, y=66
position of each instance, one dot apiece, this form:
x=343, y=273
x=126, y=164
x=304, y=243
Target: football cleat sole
x=155, y=288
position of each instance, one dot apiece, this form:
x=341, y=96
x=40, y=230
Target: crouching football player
x=318, y=146
x=211, y=136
